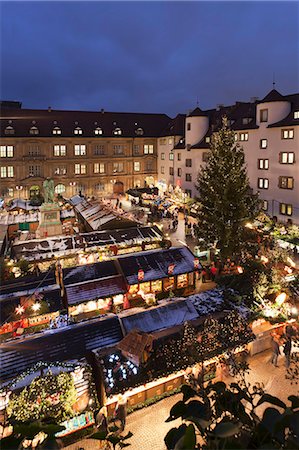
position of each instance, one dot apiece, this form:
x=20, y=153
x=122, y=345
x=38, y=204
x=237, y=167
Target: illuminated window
x=265, y=205
x=243, y=137
x=263, y=183
x=60, y=189
x=208, y=139
x=80, y=169
x=78, y=130
x=33, y=130
x=286, y=209
x=287, y=158
x=246, y=120
x=99, y=168
x=263, y=115
x=80, y=150
x=163, y=141
x=60, y=170
x=171, y=156
x=98, y=131
x=162, y=155
x=136, y=166
x=59, y=150
x=56, y=130
x=117, y=131
x=296, y=114
x=9, y=130
x=263, y=164
x=148, y=149
x=263, y=143
x=156, y=286
x=182, y=281
x=118, y=167
x=170, y=141
x=6, y=151
x=286, y=182
x=7, y=172
x=287, y=134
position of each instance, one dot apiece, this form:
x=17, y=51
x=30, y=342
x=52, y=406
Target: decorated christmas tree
x=226, y=200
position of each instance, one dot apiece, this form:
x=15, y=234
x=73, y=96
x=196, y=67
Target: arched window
x=56, y=130
x=98, y=130
x=60, y=189
x=117, y=131
x=139, y=131
x=78, y=130
x=33, y=130
x=9, y=130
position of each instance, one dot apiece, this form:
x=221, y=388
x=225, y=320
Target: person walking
x=275, y=349
x=121, y=411
x=287, y=351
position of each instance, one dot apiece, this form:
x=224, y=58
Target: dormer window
x=230, y=122
x=33, y=130
x=78, y=130
x=246, y=120
x=296, y=114
x=98, y=131
x=56, y=130
x=139, y=131
x=117, y=131
x=208, y=139
x=9, y=130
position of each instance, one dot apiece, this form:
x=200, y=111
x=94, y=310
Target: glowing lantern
x=281, y=298
x=140, y=275
x=171, y=269
x=264, y=259
x=240, y=269
x=20, y=309
x=36, y=306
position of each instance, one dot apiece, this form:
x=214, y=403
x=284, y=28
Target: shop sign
x=171, y=269
x=140, y=275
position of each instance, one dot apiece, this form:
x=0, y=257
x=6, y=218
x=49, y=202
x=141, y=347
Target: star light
x=20, y=309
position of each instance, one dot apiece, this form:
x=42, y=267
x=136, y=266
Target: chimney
x=253, y=99
x=49, y=109
x=219, y=106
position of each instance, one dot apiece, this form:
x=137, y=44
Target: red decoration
x=140, y=275
x=196, y=263
x=171, y=269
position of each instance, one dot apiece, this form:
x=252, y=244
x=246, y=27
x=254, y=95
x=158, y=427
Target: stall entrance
x=118, y=187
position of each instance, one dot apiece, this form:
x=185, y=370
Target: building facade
x=95, y=153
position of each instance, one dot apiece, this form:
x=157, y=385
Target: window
x=263, y=143
x=205, y=156
x=33, y=130
x=34, y=150
x=136, y=166
x=148, y=149
x=171, y=156
x=60, y=170
x=9, y=130
x=263, y=183
x=286, y=182
x=208, y=139
x=10, y=192
x=98, y=131
x=188, y=126
x=236, y=137
x=264, y=205
x=286, y=209
x=99, y=149
x=60, y=150
x=99, y=187
x=118, y=149
x=246, y=120
x=80, y=169
x=179, y=172
x=163, y=156
x=263, y=115
x=117, y=131
x=188, y=162
x=60, y=189
x=287, y=134
x=170, y=141
x=7, y=172
x=56, y=130
x=162, y=169
x=118, y=167
x=287, y=158
x=80, y=150
x=6, y=151
x=99, y=168
x=296, y=115
x=179, y=156
x=188, y=177
x=243, y=137
x=34, y=171
x=263, y=164
x=136, y=149
x=171, y=171
x=78, y=130
x=139, y=131
x=149, y=166
x=163, y=141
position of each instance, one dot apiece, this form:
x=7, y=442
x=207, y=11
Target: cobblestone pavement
x=149, y=427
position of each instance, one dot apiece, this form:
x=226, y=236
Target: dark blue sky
x=142, y=56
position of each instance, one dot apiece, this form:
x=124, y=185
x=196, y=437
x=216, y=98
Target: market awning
x=104, y=288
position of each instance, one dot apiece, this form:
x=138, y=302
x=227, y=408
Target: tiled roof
x=106, y=287
x=273, y=96
x=176, y=127
x=89, y=272
x=197, y=112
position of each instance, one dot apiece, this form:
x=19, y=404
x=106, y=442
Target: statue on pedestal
x=48, y=186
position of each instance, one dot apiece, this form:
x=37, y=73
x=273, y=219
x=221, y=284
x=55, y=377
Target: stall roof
x=155, y=264
x=168, y=315
x=106, y=287
x=28, y=283
x=89, y=272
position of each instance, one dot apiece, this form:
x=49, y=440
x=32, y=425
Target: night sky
x=146, y=57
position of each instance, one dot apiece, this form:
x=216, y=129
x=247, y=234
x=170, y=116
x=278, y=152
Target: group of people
x=284, y=341
x=119, y=419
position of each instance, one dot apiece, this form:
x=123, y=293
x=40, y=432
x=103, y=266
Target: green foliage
x=225, y=417
x=113, y=437
x=226, y=200
x=49, y=396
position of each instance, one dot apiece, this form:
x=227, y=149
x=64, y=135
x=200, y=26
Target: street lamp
x=19, y=188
